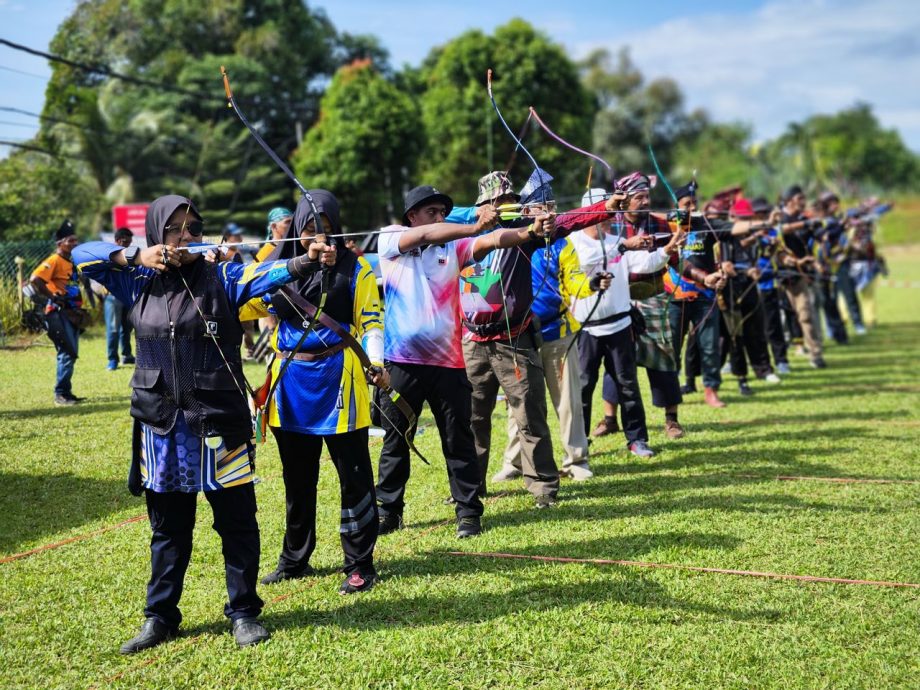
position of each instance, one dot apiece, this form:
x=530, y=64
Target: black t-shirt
x=797, y=241
x=698, y=249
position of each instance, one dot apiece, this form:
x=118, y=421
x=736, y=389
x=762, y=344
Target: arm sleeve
x=573, y=282
x=464, y=215
x=243, y=283
x=464, y=248
x=255, y=308
x=581, y=218
x=645, y=262
x=93, y=259
x=367, y=311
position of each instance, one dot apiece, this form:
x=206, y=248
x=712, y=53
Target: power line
x=45, y=77
x=38, y=149
x=102, y=70
x=17, y=124
x=48, y=118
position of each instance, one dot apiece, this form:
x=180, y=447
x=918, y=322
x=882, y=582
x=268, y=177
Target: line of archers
x=138, y=518
x=677, y=566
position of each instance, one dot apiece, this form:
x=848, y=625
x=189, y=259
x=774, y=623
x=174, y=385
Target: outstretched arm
x=441, y=233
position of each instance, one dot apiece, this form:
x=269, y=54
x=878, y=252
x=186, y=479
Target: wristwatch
x=131, y=254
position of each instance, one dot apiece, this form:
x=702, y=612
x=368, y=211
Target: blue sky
x=765, y=62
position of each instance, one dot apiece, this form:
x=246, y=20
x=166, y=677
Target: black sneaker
x=74, y=398
x=744, y=388
x=127, y=360
x=544, y=501
x=389, y=523
x=153, y=632
x=280, y=574
x=819, y=363
x=468, y=527
x=357, y=582
x=249, y=631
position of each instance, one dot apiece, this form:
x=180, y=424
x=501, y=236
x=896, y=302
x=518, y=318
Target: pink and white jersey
x=421, y=292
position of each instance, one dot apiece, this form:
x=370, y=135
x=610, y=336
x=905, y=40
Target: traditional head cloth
x=276, y=214
x=494, y=185
x=65, y=231
x=791, y=191
x=634, y=183
x=158, y=215
x=326, y=205
x=592, y=196
x=537, y=190
x=742, y=208
x=688, y=189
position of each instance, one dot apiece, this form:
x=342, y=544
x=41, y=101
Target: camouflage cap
x=494, y=185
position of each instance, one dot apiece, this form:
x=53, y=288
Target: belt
x=313, y=355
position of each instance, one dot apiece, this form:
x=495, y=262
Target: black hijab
x=311, y=287
x=158, y=215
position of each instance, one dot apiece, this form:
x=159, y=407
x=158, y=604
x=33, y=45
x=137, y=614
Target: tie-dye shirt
x=421, y=294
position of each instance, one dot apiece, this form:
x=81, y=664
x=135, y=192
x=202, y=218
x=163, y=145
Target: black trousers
x=745, y=323
x=448, y=393
x=665, y=387
x=172, y=521
x=773, y=325
x=847, y=288
x=617, y=352
x=300, y=460
x=832, y=316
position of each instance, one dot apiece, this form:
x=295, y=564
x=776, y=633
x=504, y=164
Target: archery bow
x=539, y=171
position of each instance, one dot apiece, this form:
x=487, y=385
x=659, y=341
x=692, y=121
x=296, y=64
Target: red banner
x=130, y=216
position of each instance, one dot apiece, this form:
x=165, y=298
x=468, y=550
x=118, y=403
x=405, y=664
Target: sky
x=762, y=62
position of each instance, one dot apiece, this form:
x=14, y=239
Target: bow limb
x=562, y=141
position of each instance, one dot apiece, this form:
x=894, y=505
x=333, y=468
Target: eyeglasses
x=195, y=228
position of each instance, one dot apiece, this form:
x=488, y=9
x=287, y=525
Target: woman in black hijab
x=192, y=423
x=322, y=395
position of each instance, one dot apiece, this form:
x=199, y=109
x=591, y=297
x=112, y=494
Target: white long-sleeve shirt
x=615, y=299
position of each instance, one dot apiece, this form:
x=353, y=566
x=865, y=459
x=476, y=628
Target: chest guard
x=179, y=366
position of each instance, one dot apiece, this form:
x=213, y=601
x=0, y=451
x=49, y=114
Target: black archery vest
x=179, y=367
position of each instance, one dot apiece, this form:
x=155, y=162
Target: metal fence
x=33, y=252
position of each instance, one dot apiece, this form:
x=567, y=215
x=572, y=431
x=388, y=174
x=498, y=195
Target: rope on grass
x=675, y=566
x=71, y=540
x=831, y=480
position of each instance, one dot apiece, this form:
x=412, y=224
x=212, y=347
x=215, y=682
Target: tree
x=465, y=139
x=365, y=146
x=635, y=115
x=37, y=192
x=848, y=151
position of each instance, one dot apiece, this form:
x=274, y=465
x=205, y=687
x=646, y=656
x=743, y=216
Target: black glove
x=595, y=282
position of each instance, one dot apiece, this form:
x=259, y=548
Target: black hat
x=761, y=205
x=688, y=189
x=792, y=191
x=419, y=195
x=65, y=231
x=124, y=234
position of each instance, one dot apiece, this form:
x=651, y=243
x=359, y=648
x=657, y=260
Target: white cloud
x=790, y=59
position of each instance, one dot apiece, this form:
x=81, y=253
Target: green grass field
x=441, y=621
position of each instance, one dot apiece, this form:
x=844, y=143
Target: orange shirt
x=60, y=276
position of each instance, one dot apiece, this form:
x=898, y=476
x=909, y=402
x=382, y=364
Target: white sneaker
x=859, y=330
x=580, y=473
x=784, y=368
x=506, y=474
x=772, y=378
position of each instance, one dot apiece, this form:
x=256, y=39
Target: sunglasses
x=195, y=228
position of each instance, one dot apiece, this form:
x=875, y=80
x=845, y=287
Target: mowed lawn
x=441, y=621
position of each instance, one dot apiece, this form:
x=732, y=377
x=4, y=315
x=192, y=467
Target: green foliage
x=364, y=147
x=37, y=193
x=848, y=152
x=465, y=138
x=635, y=114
